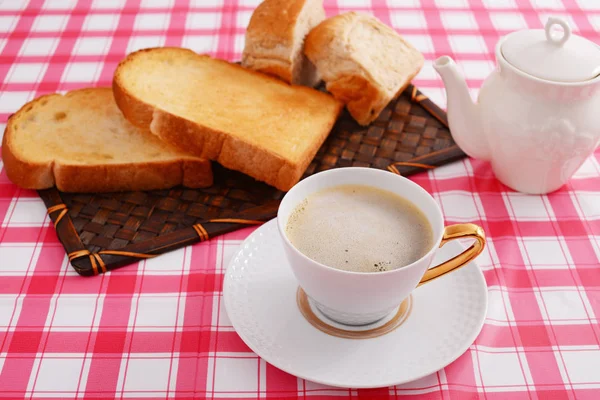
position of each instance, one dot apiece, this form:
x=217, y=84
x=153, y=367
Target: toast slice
x=80, y=142
x=364, y=63
x=275, y=39
x=245, y=120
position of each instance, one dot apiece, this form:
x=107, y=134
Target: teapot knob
x=560, y=40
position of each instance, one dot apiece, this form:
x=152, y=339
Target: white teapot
x=537, y=117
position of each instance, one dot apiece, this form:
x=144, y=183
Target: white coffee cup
x=360, y=298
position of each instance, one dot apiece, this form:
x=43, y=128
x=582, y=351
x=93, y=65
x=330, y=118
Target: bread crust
x=329, y=47
x=189, y=171
x=272, y=41
x=229, y=151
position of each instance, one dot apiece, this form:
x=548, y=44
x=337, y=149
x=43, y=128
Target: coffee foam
x=359, y=228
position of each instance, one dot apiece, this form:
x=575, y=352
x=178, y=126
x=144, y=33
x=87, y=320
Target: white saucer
x=260, y=292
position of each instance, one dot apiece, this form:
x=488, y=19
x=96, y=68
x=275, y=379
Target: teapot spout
x=463, y=114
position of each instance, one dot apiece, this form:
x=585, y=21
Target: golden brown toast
x=245, y=120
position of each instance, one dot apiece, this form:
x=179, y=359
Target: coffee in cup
x=344, y=295
x=359, y=228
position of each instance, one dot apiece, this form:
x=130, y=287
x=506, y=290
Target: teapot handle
x=560, y=40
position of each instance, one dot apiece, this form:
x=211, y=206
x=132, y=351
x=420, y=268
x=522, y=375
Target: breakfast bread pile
x=364, y=62
x=275, y=39
x=171, y=112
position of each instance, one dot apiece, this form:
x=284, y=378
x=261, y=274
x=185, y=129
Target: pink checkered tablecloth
x=158, y=329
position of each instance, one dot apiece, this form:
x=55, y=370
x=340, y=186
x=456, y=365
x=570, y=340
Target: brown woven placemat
x=101, y=232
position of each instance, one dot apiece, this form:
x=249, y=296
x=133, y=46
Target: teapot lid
x=551, y=55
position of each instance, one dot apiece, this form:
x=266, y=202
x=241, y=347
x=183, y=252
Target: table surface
x=158, y=329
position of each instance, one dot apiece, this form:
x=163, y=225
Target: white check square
x=12, y=5
x=458, y=20
x=589, y=204
x=76, y=311
x=552, y=4
x=583, y=366
x=501, y=369
x=101, y=22
x=144, y=42
x=526, y=207
x=12, y=101
x=209, y=3
x=423, y=43
x=243, y=18
x=171, y=262
x=357, y=3
x=476, y=69
x=59, y=4
x=39, y=46
x=7, y=23
x=248, y=3
x=545, y=253
x=451, y=170
x=151, y=21
x=49, y=23
x=427, y=73
x=562, y=305
x=157, y=3
x=59, y=374
x=245, y=371
x=28, y=212
x=467, y=44
x=499, y=3
x=239, y=43
x=26, y=72
x=408, y=19
x=452, y=3
x=108, y=4
x=588, y=4
x=85, y=72
x=460, y=206
x=147, y=375
x=15, y=257
x=203, y=20
x=156, y=311
x=201, y=44
x=10, y=309
x=507, y=21
x=404, y=3
x=92, y=46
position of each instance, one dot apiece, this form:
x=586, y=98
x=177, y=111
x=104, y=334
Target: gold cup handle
x=452, y=232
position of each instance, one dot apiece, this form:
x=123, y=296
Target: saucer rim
x=475, y=333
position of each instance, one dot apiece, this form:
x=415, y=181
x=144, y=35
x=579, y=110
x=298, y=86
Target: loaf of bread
x=80, y=142
x=275, y=39
x=245, y=120
x=364, y=63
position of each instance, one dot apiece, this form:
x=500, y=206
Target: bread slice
x=245, y=120
x=364, y=63
x=275, y=39
x=80, y=142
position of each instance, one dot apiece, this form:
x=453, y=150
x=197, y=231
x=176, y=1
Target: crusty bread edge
x=213, y=144
x=190, y=172
x=362, y=96
x=233, y=153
